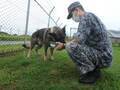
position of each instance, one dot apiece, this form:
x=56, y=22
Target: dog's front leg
x=29, y=53
x=45, y=53
x=51, y=53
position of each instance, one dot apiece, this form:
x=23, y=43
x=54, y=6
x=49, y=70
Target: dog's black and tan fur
x=43, y=37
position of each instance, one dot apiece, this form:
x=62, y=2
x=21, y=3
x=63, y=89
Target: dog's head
x=58, y=33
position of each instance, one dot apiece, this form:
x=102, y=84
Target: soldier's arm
x=81, y=36
x=92, y=22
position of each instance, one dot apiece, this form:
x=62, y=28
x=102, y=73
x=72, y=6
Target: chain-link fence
x=20, y=18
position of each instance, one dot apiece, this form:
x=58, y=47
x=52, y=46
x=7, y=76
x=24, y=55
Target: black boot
x=90, y=77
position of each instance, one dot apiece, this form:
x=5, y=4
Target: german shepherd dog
x=43, y=37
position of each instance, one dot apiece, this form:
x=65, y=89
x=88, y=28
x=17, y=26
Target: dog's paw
x=60, y=46
x=52, y=58
x=45, y=58
x=28, y=56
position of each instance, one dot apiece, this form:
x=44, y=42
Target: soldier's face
x=75, y=15
x=78, y=12
x=75, y=12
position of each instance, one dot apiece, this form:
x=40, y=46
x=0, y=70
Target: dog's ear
x=63, y=29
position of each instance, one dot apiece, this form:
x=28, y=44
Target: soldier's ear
x=63, y=29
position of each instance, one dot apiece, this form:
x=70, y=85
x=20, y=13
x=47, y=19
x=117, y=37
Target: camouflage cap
x=72, y=7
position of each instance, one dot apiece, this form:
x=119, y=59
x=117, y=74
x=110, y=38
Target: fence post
x=10, y=31
x=57, y=20
x=27, y=20
x=60, y=24
x=0, y=28
x=45, y=11
x=70, y=34
x=50, y=16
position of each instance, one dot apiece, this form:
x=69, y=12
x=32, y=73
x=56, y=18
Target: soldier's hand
x=59, y=46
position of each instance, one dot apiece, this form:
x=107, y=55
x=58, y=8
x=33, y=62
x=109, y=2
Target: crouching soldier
x=91, y=47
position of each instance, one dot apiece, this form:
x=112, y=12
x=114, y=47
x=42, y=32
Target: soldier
x=91, y=47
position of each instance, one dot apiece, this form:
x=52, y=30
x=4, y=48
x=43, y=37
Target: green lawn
x=21, y=73
x=13, y=38
x=7, y=48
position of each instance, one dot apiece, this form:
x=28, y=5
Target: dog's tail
x=26, y=46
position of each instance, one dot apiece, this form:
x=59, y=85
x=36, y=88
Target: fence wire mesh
x=13, y=21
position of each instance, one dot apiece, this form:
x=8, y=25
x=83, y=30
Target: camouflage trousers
x=87, y=58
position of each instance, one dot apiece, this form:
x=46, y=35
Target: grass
x=7, y=48
x=21, y=73
x=13, y=38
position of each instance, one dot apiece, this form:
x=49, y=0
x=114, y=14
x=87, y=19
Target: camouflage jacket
x=92, y=32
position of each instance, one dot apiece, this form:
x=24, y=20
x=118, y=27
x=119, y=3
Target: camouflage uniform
x=91, y=46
